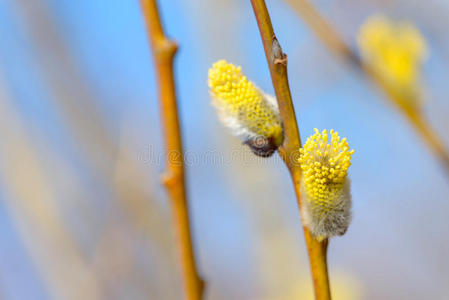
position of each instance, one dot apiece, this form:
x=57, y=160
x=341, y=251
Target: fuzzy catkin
x=326, y=202
x=395, y=49
x=245, y=109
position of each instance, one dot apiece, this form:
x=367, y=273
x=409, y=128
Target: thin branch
x=325, y=32
x=414, y=116
x=289, y=151
x=163, y=52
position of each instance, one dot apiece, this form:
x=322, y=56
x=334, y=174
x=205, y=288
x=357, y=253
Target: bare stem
x=325, y=32
x=277, y=63
x=163, y=52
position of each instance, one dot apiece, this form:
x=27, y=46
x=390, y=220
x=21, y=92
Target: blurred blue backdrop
x=82, y=214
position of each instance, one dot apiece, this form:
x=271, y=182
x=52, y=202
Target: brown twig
x=289, y=151
x=413, y=115
x=325, y=32
x=173, y=178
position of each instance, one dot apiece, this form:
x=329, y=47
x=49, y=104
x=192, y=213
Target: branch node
x=170, y=179
x=281, y=61
x=277, y=56
x=166, y=48
x=166, y=178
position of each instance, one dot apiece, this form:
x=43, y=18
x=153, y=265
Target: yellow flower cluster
x=325, y=167
x=395, y=50
x=242, y=106
x=326, y=205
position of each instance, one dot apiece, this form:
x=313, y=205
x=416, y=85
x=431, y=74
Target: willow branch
x=332, y=40
x=289, y=151
x=163, y=53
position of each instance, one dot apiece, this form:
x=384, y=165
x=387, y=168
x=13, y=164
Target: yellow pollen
x=238, y=98
x=324, y=161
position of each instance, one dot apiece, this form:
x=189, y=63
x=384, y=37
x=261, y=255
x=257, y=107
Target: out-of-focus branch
x=414, y=116
x=289, y=151
x=173, y=178
x=31, y=203
x=325, y=32
x=116, y=166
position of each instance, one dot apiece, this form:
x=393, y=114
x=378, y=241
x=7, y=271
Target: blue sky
x=399, y=190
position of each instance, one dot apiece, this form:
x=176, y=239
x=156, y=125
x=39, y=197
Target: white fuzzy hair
x=335, y=222
x=237, y=127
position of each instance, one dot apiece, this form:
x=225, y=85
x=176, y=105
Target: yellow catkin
x=396, y=50
x=241, y=105
x=324, y=161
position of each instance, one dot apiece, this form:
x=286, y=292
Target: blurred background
x=82, y=213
